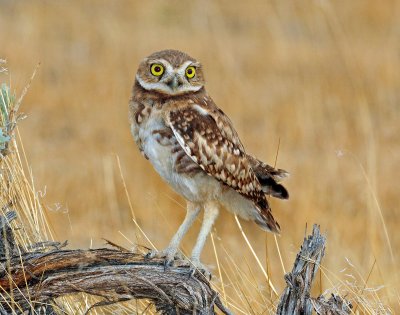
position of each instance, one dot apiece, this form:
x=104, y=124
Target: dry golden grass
x=321, y=78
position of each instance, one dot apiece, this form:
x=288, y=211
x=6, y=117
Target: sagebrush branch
x=115, y=275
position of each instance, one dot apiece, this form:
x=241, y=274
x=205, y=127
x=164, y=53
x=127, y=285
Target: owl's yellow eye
x=190, y=72
x=156, y=69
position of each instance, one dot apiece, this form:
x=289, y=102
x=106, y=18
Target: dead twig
x=296, y=298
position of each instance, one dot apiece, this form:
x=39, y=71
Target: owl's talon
x=151, y=254
x=170, y=255
x=196, y=265
x=192, y=271
x=168, y=263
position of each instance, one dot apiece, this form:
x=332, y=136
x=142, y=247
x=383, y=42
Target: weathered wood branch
x=112, y=274
x=296, y=298
x=115, y=275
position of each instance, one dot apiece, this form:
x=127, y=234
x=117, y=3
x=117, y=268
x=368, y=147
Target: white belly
x=195, y=187
x=160, y=157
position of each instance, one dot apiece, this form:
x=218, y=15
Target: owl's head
x=170, y=72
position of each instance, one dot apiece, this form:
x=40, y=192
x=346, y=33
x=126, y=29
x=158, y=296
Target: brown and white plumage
x=194, y=147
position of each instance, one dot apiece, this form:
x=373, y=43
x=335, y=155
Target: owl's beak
x=175, y=82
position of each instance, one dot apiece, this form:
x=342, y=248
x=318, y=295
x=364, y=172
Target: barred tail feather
x=269, y=178
x=271, y=187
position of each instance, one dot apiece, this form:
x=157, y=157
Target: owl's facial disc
x=159, y=75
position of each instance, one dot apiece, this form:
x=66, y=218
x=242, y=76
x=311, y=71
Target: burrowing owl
x=193, y=146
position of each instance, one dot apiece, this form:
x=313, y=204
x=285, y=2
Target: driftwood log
x=30, y=281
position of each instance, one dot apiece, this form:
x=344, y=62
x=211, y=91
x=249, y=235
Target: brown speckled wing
x=212, y=143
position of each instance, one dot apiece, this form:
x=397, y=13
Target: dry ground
x=320, y=77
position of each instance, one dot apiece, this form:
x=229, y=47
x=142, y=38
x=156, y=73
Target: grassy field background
x=319, y=77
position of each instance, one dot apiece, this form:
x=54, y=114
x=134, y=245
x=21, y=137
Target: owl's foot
x=169, y=254
x=196, y=265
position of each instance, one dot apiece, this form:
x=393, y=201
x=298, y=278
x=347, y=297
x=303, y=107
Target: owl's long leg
x=192, y=211
x=210, y=214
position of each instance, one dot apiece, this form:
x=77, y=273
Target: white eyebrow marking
x=165, y=63
x=182, y=69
